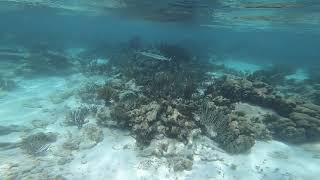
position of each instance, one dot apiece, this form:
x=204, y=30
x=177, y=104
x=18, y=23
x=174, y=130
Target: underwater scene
x=159, y=90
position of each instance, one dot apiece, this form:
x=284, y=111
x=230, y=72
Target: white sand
x=299, y=75
x=239, y=65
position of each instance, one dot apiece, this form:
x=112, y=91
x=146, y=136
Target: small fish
x=154, y=56
x=43, y=149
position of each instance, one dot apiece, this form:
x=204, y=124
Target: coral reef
x=175, y=98
x=300, y=120
x=241, y=89
x=176, y=78
x=169, y=103
x=148, y=120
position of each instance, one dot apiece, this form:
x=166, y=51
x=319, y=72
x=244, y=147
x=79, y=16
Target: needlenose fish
x=154, y=56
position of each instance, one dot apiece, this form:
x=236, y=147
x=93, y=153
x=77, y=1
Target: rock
x=176, y=124
x=71, y=144
x=293, y=134
x=120, y=114
x=104, y=118
x=181, y=164
x=305, y=110
x=240, y=145
x=313, y=107
x=142, y=121
x=299, y=129
x=60, y=96
x=90, y=136
x=38, y=143
x=300, y=116
x=59, y=177
x=147, y=113
x=64, y=160
x=40, y=123
x=240, y=133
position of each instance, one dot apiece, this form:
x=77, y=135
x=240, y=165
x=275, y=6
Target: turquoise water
x=137, y=89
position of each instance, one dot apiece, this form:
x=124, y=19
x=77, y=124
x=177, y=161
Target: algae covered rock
x=143, y=121
x=148, y=119
x=233, y=140
x=241, y=144
x=240, y=133
x=104, y=118
x=293, y=134
x=38, y=143
x=89, y=136
x=287, y=130
x=241, y=89
x=93, y=133
x=176, y=124
x=181, y=164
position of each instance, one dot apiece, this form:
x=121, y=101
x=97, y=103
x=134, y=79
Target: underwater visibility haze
x=172, y=89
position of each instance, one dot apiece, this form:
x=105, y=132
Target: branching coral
x=170, y=85
x=108, y=93
x=77, y=116
x=177, y=78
